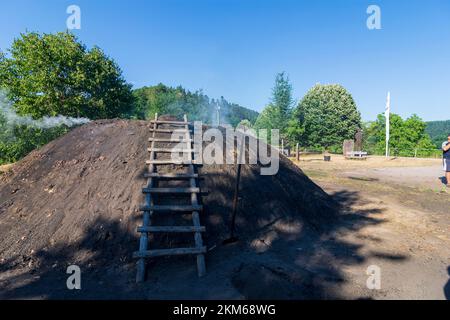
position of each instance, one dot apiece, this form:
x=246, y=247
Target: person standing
x=446, y=159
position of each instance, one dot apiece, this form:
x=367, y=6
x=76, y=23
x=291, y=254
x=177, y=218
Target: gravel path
x=424, y=177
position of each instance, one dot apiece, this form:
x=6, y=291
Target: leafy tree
x=296, y=127
x=325, y=117
x=277, y=114
x=151, y=100
x=244, y=124
x=407, y=137
x=54, y=74
x=268, y=119
x=282, y=99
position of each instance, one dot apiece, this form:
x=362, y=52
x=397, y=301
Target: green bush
x=19, y=140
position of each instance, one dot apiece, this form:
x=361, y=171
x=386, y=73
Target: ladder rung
x=169, y=229
x=174, y=176
x=160, y=162
x=169, y=150
x=168, y=252
x=169, y=140
x=171, y=190
x=178, y=130
x=182, y=208
x=170, y=122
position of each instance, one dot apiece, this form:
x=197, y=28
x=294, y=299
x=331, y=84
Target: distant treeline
x=438, y=131
x=197, y=106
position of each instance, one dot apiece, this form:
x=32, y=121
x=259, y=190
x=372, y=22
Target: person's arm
x=446, y=147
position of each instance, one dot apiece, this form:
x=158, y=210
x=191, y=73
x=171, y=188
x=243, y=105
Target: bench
x=356, y=155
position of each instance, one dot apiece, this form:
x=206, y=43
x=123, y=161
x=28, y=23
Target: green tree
x=244, y=124
x=54, y=74
x=296, y=127
x=277, y=114
x=325, y=117
x=406, y=138
x=268, y=120
x=156, y=99
x=282, y=98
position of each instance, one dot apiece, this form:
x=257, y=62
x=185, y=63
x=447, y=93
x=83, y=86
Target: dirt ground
x=409, y=238
x=313, y=236
x=76, y=201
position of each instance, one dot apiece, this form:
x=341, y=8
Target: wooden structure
x=356, y=155
x=182, y=128
x=347, y=147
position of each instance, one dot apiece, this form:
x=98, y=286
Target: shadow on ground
x=43, y=275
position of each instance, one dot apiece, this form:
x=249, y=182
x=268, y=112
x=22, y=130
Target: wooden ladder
x=150, y=208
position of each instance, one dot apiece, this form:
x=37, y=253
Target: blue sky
x=234, y=48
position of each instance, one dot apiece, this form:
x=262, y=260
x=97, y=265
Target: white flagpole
x=387, y=116
x=218, y=116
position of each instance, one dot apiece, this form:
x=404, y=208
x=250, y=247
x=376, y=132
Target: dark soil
x=76, y=201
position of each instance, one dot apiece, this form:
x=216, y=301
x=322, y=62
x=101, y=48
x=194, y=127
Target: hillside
x=162, y=99
x=438, y=131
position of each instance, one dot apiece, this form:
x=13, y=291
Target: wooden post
x=201, y=267
x=282, y=146
x=297, y=154
x=235, y=201
x=143, y=241
x=387, y=116
x=236, y=190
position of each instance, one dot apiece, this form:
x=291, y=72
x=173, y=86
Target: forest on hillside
x=438, y=131
x=197, y=106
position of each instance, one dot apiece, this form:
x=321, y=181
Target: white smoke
x=12, y=118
